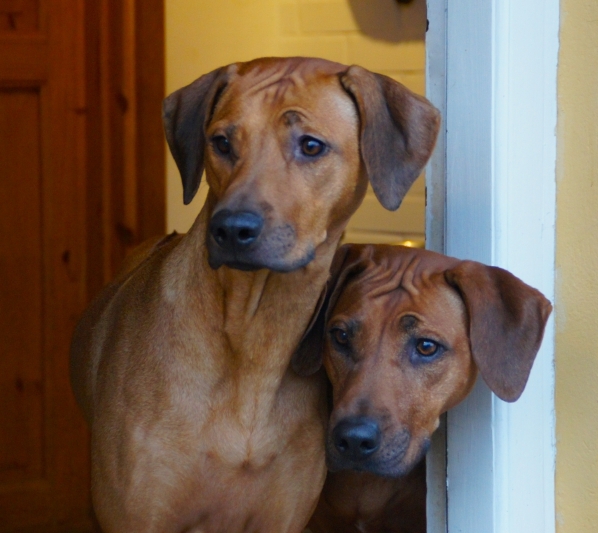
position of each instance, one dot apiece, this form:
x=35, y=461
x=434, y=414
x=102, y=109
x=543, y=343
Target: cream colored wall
x=201, y=36
x=577, y=268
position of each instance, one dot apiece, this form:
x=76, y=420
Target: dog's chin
x=391, y=469
x=252, y=260
x=386, y=463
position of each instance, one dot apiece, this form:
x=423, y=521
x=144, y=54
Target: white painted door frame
x=491, y=69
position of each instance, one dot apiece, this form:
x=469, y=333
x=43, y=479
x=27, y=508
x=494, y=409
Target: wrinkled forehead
x=434, y=304
x=361, y=299
x=395, y=283
x=260, y=89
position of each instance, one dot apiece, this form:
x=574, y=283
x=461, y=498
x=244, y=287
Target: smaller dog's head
x=288, y=146
x=402, y=334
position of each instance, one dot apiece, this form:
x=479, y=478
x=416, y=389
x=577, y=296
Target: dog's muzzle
x=358, y=443
x=356, y=439
x=235, y=232
x=243, y=240
x=233, y=235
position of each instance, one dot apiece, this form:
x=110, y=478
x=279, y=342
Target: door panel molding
x=82, y=182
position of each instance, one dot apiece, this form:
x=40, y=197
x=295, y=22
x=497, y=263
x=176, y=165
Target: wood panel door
x=81, y=180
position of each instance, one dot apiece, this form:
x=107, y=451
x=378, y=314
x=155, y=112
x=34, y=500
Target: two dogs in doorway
x=202, y=389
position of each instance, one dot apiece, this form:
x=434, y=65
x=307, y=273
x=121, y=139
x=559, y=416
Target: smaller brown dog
x=402, y=335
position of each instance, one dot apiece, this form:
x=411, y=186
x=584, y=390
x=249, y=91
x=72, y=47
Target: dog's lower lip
x=247, y=267
x=216, y=259
x=383, y=466
x=370, y=467
x=215, y=264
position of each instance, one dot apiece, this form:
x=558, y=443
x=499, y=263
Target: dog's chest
x=241, y=483
x=236, y=483
x=246, y=457
x=249, y=430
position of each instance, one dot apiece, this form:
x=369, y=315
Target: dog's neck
x=359, y=494
x=263, y=314
x=366, y=499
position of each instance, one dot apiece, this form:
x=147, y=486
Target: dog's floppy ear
x=398, y=132
x=506, y=324
x=185, y=114
x=347, y=262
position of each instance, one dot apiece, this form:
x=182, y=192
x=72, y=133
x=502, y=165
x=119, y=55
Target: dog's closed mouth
x=216, y=259
x=237, y=265
x=357, y=443
x=272, y=248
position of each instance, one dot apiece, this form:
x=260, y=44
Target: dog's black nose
x=235, y=231
x=356, y=438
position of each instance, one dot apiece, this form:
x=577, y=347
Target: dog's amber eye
x=426, y=347
x=222, y=144
x=340, y=336
x=311, y=147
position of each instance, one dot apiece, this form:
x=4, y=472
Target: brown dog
x=403, y=334
x=182, y=365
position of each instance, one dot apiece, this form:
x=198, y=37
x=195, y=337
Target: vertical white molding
x=436, y=511
x=470, y=466
x=501, y=66
x=525, y=43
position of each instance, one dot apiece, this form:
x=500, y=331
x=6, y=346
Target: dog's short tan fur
x=198, y=422
x=403, y=335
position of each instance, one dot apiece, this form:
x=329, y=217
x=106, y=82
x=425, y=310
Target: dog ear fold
x=506, y=324
x=398, y=132
x=185, y=114
x=347, y=263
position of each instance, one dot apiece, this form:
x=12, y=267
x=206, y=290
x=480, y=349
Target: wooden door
x=81, y=180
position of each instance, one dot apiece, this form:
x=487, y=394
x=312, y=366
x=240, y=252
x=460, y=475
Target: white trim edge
x=501, y=110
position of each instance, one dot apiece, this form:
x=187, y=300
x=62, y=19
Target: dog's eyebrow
x=222, y=126
x=291, y=117
x=230, y=130
x=353, y=325
x=408, y=322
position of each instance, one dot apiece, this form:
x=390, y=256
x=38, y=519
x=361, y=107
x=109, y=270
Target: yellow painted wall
x=577, y=270
x=377, y=34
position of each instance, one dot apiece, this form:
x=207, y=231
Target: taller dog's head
x=403, y=334
x=288, y=146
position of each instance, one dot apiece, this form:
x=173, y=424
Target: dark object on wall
x=392, y=21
